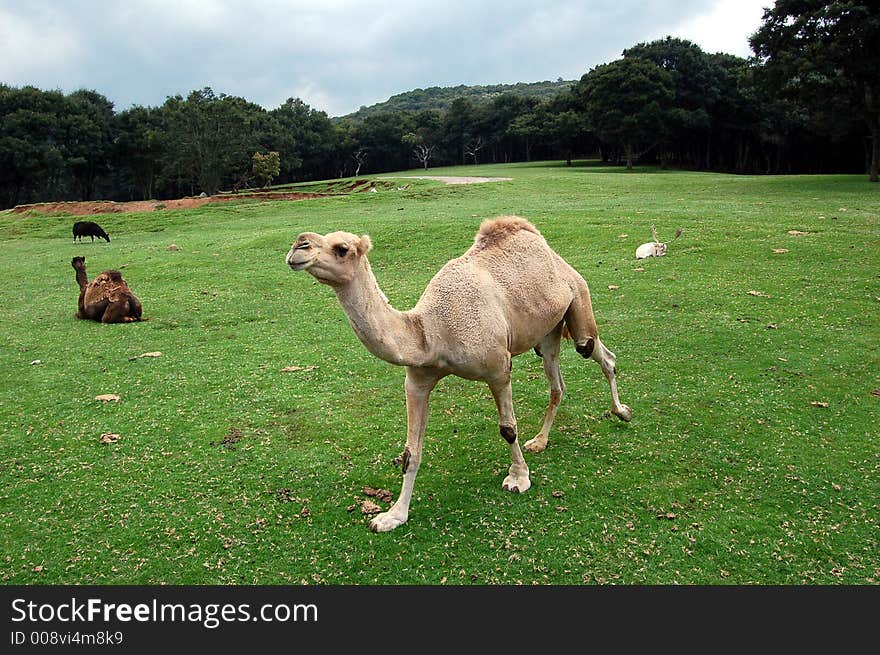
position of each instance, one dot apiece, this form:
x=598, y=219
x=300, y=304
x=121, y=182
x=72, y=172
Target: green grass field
x=753, y=456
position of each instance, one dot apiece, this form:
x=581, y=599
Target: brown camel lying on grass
x=107, y=298
x=509, y=293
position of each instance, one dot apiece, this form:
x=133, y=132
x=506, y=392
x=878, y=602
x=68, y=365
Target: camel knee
x=409, y=460
x=509, y=433
x=585, y=347
x=405, y=459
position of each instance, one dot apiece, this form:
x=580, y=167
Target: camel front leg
x=116, y=312
x=549, y=348
x=517, y=480
x=418, y=387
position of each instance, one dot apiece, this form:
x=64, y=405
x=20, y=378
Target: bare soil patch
x=85, y=208
x=451, y=179
x=91, y=207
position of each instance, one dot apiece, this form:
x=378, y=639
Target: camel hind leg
x=135, y=309
x=582, y=326
x=607, y=360
x=549, y=350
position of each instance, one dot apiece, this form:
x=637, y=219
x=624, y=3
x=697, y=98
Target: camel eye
x=341, y=250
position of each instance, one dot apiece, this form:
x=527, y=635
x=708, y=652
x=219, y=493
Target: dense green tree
x=139, y=147
x=304, y=139
x=88, y=130
x=824, y=54
x=735, y=119
x=265, y=167
x=426, y=136
x=382, y=136
x=696, y=94
x=458, y=128
x=627, y=103
x=210, y=138
x=564, y=128
x=32, y=162
x=566, y=123
x=503, y=111
x=530, y=126
x=345, y=155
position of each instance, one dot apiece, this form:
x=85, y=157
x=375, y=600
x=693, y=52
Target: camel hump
x=495, y=230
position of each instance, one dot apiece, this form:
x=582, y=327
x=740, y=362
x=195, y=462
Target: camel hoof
x=536, y=445
x=385, y=522
x=516, y=485
x=625, y=414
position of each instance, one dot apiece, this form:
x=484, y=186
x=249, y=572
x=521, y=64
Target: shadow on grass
x=599, y=166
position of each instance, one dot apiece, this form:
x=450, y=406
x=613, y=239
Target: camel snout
x=303, y=251
x=294, y=262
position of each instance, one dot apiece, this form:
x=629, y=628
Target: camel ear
x=364, y=245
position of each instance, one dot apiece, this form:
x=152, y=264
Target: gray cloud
x=340, y=54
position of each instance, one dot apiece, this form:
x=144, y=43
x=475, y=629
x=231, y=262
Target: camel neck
x=83, y=283
x=394, y=336
x=81, y=279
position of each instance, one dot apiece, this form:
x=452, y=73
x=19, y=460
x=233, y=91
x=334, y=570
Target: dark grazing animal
x=88, y=229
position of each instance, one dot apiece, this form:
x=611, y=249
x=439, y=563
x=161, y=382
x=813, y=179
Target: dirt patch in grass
x=86, y=208
x=317, y=190
x=447, y=179
x=229, y=442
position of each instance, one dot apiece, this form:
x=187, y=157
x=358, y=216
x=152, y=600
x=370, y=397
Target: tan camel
x=107, y=298
x=507, y=294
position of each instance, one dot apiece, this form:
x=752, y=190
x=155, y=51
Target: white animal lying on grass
x=654, y=248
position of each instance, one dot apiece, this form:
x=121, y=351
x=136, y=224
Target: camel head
x=79, y=263
x=333, y=259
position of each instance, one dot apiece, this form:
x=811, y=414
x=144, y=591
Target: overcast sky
x=337, y=55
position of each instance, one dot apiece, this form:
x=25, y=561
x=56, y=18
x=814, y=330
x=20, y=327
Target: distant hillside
x=437, y=97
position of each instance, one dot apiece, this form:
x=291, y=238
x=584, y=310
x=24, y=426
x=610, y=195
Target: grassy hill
x=752, y=372
x=440, y=98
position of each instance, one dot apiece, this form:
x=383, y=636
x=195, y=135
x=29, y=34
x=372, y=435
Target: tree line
x=808, y=101
x=437, y=97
